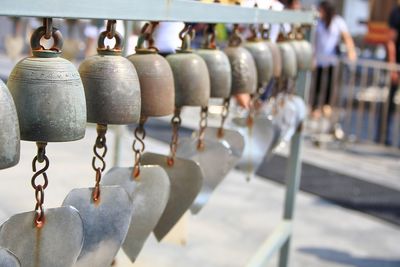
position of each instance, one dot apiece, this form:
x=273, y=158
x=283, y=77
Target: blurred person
x=331, y=30
x=393, y=54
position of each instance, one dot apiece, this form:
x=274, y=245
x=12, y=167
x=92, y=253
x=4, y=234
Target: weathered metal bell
x=304, y=54
x=9, y=135
x=219, y=70
x=191, y=77
x=192, y=82
x=48, y=94
x=264, y=61
x=244, y=73
x=156, y=83
x=276, y=58
x=111, y=85
x=289, y=59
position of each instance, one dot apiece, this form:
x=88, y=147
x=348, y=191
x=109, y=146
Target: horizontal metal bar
x=157, y=10
x=272, y=244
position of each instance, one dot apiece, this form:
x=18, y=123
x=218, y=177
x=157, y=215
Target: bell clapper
x=99, y=145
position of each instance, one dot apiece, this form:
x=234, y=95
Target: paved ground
x=228, y=231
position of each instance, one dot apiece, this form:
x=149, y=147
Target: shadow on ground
x=347, y=259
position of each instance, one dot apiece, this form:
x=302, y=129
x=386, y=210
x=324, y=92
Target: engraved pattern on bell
x=57, y=243
x=106, y=223
x=156, y=84
x=9, y=134
x=149, y=194
x=263, y=59
x=244, y=73
x=219, y=70
x=8, y=259
x=50, y=100
x=192, y=82
x=186, y=178
x=112, y=89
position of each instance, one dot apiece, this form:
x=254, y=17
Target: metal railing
x=359, y=99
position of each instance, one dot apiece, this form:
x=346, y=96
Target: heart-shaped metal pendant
x=57, y=243
x=260, y=137
x=8, y=259
x=105, y=221
x=186, y=178
x=230, y=138
x=213, y=158
x=149, y=193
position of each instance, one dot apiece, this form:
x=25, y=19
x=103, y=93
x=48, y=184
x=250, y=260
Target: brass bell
x=156, y=80
x=9, y=135
x=111, y=83
x=192, y=82
x=48, y=93
x=218, y=66
x=263, y=58
x=244, y=73
x=303, y=50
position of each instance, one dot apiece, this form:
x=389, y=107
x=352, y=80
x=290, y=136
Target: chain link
x=203, y=127
x=224, y=116
x=140, y=135
x=39, y=188
x=100, y=151
x=176, y=122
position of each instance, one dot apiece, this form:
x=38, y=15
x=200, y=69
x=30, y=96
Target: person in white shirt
x=331, y=30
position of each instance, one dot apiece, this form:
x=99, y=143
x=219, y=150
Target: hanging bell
x=218, y=66
x=275, y=53
x=244, y=73
x=303, y=50
x=192, y=82
x=111, y=83
x=156, y=81
x=48, y=93
x=263, y=58
x=289, y=58
x=9, y=135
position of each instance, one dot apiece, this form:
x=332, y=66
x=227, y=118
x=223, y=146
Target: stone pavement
x=231, y=227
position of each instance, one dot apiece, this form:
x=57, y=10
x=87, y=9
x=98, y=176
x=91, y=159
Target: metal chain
x=39, y=188
x=203, y=127
x=140, y=135
x=99, y=145
x=176, y=122
x=224, y=116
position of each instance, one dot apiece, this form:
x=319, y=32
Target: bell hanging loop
x=47, y=31
x=146, y=35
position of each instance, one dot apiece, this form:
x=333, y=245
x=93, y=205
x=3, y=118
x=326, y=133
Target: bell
x=156, y=83
x=48, y=94
x=244, y=73
x=276, y=58
x=111, y=85
x=192, y=82
x=263, y=58
x=219, y=70
x=289, y=58
x=9, y=135
x=304, y=54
